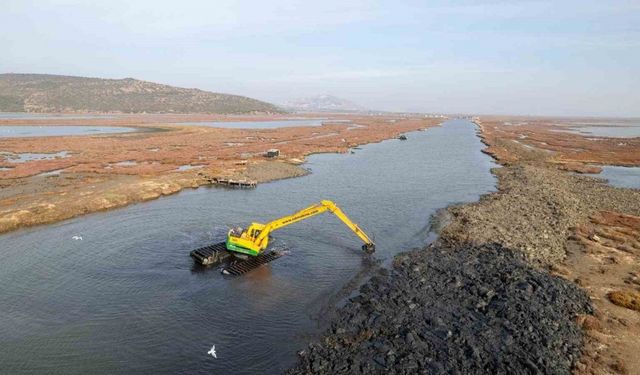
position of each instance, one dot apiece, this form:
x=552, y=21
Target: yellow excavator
x=244, y=250
x=255, y=239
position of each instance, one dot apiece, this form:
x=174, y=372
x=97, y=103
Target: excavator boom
x=255, y=239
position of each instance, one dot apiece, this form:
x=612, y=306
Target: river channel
x=127, y=298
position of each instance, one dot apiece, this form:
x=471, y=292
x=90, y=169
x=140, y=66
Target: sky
x=567, y=58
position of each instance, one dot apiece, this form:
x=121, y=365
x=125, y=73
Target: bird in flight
x=213, y=352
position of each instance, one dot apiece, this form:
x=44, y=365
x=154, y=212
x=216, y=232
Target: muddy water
x=127, y=297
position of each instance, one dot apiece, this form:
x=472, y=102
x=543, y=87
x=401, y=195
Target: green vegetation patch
x=10, y=103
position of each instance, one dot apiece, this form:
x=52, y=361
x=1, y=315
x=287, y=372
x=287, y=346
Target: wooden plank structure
x=235, y=183
x=272, y=153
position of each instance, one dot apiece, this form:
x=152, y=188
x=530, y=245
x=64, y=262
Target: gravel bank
x=454, y=310
x=535, y=210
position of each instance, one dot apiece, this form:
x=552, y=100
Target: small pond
x=626, y=177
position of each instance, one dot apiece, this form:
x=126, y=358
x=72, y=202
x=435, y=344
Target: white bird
x=77, y=238
x=213, y=352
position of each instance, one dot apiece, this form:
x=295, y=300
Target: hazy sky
x=525, y=57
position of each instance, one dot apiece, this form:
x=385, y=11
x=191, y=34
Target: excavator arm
x=353, y=226
x=256, y=238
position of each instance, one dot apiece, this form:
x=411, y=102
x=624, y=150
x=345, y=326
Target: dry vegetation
x=625, y=298
x=107, y=171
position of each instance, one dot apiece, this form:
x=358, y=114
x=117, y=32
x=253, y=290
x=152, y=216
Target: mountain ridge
x=24, y=92
x=323, y=103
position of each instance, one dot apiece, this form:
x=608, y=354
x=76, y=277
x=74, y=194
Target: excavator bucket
x=369, y=248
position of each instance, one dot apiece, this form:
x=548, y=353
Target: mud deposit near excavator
x=127, y=297
x=472, y=310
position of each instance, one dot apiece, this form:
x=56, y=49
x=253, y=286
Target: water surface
x=188, y=167
x=25, y=157
x=626, y=177
x=13, y=131
x=614, y=129
x=127, y=298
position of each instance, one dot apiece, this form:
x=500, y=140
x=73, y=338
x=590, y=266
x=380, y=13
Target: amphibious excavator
x=246, y=249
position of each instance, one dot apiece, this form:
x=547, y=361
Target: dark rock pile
x=466, y=310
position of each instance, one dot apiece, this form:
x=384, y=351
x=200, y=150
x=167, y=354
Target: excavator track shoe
x=244, y=266
x=212, y=254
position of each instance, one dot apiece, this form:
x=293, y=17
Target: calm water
x=257, y=124
x=10, y=131
x=128, y=298
x=30, y=156
x=626, y=177
x=615, y=129
x=610, y=131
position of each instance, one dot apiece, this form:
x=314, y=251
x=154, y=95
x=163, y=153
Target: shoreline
x=533, y=224
x=574, y=239
x=93, y=181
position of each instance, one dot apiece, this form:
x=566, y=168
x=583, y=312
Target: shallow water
x=128, y=298
x=30, y=156
x=258, y=124
x=55, y=172
x=614, y=129
x=610, y=131
x=188, y=167
x=12, y=131
x=626, y=177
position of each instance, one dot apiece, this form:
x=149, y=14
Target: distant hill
x=53, y=93
x=323, y=103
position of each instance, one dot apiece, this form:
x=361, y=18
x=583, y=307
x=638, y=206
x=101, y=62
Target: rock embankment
x=454, y=310
x=483, y=300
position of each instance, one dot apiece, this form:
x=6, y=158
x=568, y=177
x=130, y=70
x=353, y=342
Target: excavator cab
x=244, y=242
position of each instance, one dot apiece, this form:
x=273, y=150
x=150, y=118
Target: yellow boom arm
x=256, y=238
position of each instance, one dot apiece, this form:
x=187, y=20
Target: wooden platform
x=235, y=183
